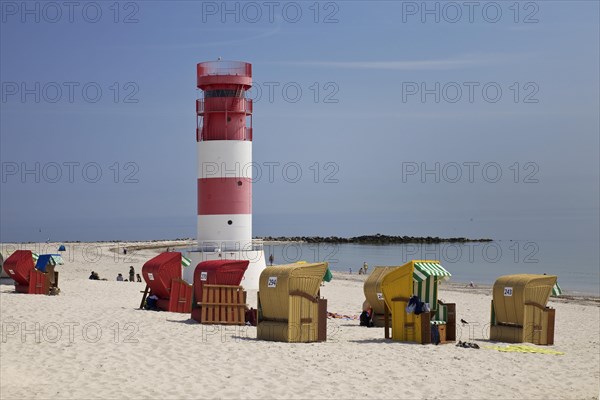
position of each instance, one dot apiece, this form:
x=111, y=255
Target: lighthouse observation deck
x=223, y=112
x=224, y=72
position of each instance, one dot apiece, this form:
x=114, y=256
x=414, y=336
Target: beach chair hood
x=19, y=265
x=159, y=271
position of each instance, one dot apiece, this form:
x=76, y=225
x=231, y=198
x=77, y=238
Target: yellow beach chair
x=519, y=312
x=289, y=306
x=421, y=278
x=374, y=295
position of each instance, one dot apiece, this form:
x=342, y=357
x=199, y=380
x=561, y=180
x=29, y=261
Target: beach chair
x=417, y=278
x=163, y=278
x=31, y=277
x=519, y=312
x=289, y=306
x=218, y=296
x=374, y=295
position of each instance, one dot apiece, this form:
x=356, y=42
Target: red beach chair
x=21, y=268
x=163, y=277
x=216, y=272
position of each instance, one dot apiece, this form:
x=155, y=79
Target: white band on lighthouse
x=226, y=232
x=225, y=159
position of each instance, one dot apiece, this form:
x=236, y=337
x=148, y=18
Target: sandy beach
x=92, y=341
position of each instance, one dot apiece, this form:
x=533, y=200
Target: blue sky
x=361, y=130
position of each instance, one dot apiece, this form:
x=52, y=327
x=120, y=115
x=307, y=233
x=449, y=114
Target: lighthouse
x=224, y=149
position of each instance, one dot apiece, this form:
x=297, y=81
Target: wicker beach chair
x=420, y=278
x=163, y=278
x=289, y=307
x=519, y=312
x=374, y=295
x=218, y=296
x=21, y=267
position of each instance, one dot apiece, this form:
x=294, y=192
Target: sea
x=575, y=263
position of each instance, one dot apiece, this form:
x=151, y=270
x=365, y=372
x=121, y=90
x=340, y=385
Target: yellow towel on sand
x=520, y=348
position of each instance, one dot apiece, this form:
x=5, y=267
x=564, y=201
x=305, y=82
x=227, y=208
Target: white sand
x=145, y=354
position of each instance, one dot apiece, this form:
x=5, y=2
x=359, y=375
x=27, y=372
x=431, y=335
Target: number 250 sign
x=507, y=291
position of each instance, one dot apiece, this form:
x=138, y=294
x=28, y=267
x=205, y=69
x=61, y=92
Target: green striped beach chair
x=556, y=290
x=426, y=275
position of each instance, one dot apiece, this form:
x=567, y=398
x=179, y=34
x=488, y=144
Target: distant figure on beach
x=120, y=277
x=131, y=274
x=125, y=251
x=365, y=267
x=271, y=259
x=350, y=271
x=139, y=278
x=471, y=285
x=94, y=276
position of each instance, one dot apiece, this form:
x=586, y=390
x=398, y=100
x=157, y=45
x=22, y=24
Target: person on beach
x=131, y=274
x=366, y=317
x=350, y=271
x=139, y=278
x=365, y=267
x=120, y=277
x=152, y=302
x=94, y=276
x=271, y=259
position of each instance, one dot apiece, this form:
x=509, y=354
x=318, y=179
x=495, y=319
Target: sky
x=401, y=118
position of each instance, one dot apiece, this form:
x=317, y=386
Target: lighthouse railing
x=236, y=68
x=224, y=104
x=243, y=133
x=218, y=246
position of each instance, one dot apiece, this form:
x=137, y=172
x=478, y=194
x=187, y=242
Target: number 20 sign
x=507, y=291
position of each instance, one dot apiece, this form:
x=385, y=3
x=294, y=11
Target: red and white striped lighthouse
x=224, y=143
